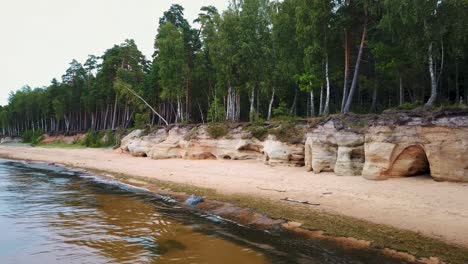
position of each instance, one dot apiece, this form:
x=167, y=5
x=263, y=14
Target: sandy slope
x=437, y=209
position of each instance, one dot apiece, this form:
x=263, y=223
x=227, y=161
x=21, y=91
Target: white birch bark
x=252, y=105
x=433, y=97
x=326, y=109
x=270, y=106
x=356, y=71
x=312, y=104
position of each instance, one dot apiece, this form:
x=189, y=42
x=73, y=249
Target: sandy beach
x=435, y=209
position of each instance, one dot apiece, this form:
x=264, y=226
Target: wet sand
x=435, y=209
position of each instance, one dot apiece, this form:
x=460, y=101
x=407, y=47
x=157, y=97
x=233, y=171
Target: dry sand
x=436, y=209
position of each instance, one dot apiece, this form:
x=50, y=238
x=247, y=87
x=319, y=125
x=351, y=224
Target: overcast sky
x=39, y=38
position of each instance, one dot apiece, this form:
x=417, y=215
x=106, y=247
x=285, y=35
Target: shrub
x=94, y=139
x=33, y=137
x=216, y=111
x=410, y=106
x=192, y=134
x=288, y=133
x=259, y=132
x=109, y=139
x=119, y=134
x=27, y=136
x=256, y=118
x=141, y=120
x=91, y=139
x=281, y=111
x=217, y=130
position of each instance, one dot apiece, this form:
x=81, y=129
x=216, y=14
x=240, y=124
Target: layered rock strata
x=376, y=147
x=195, y=143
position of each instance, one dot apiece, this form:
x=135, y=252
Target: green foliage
x=92, y=139
x=216, y=111
x=258, y=131
x=33, y=137
x=109, y=139
x=288, y=133
x=141, y=120
x=217, y=130
x=62, y=144
x=281, y=111
x=172, y=65
x=410, y=106
x=259, y=52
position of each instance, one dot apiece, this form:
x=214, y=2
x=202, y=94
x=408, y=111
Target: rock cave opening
x=412, y=161
x=251, y=148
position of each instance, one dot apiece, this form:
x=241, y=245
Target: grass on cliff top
x=61, y=144
x=381, y=236
x=217, y=130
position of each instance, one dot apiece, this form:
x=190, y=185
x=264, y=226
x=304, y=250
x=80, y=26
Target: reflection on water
x=52, y=215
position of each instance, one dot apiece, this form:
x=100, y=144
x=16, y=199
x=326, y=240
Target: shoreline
x=324, y=221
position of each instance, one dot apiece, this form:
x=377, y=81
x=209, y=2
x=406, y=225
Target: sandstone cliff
x=195, y=143
x=376, y=147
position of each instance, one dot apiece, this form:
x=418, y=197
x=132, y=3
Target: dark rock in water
x=194, y=200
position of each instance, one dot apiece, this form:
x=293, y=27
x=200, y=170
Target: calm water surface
x=50, y=214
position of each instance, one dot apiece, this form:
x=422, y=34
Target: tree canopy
x=259, y=58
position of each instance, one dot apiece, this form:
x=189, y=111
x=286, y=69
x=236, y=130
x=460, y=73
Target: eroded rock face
x=435, y=146
x=169, y=145
x=195, y=143
x=332, y=150
x=6, y=140
x=140, y=146
x=350, y=160
x=385, y=147
x=447, y=152
x=279, y=153
x=406, y=151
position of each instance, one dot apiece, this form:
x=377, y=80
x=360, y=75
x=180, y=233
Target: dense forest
x=260, y=59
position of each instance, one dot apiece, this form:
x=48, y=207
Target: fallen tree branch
x=148, y=105
x=298, y=201
x=274, y=190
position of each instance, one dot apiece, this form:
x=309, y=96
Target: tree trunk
x=312, y=104
x=201, y=112
x=457, y=87
x=433, y=97
x=230, y=104
x=402, y=95
x=187, y=99
x=238, y=106
x=258, y=101
x=321, y=100
x=148, y=105
x=326, y=109
x=104, y=125
x=252, y=105
x=179, y=110
x=346, y=72
x=356, y=71
x=270, y=106
x=67, y=122
x=114, y=115
x=374, y=99
x=293, y=107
